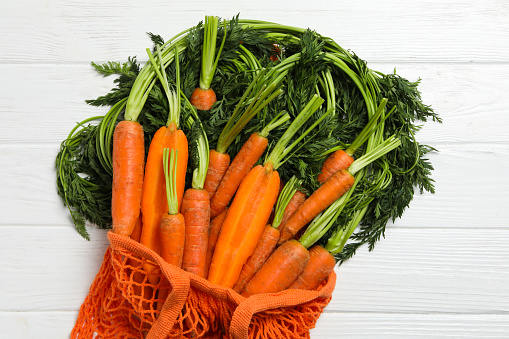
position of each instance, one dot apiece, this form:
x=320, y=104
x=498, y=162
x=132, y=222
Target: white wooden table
x=443, y=269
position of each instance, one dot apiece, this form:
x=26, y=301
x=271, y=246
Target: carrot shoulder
x=128, y=165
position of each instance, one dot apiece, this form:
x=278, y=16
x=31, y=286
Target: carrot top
x=282, y=150
x=170, y=175
x=284, y=198
x=209, y=57
x=257, y=96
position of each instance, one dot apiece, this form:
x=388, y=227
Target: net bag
x=126, y=302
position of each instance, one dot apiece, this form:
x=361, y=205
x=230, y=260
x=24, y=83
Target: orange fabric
x=122, y=303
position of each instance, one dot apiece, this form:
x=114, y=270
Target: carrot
x=218, y=165
x=337, y=185
x=154, y=201
x=243, y=225
x=259, y=93
x=215, y=227
x=204, y=97
x=196, y=211
x=128, y=164
x=172, y=224
x=320, y=265
x=342, y=159
x=252, y=205
x=280, y=270
x=245, y=159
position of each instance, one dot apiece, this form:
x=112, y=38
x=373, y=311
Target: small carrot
x=342, y=159
x=284, y=265
x=246, y=158
x=259, y=93
x=321, y=264
x=253, y=203
x=154, y=202
x=196, y=210
x=128, y=164
x=215, y=227
x=172, y=224
x=204, y=97
x=332, y=190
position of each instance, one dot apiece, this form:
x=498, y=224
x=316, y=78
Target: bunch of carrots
x=253, y=223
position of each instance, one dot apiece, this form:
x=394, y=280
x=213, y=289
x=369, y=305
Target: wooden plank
x=434, y=270
x=382, y=325
x=60, y=31
x=42, y=325
x=471, y=187
x=46, y=101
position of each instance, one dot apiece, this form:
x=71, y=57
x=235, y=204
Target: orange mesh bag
x=122, y=303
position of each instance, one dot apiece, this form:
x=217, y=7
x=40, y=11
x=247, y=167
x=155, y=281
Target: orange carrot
x=203, y=97
x=215, y=227
x=218, y=165
x=244, y=224
x=128, y=164
x=280, y=270
x=330, y=191
x=320, y=265
x=172, y=225
x=247, y=157
x=196, y=211
x=335, y=162
x=263, y=250
x=172, y=238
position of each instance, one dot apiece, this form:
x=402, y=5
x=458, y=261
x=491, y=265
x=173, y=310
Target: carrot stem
x=337, y=241
x=170, y=176
x=281, y=149
x=276, y=122
x=383, y=148
x=284, y=198
x=209, y=58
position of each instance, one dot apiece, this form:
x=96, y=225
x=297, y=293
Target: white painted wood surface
x=443, y=268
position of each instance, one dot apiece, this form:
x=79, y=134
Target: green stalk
x=274, y=123
x=200, y=172
x=172, y=96
x=284, y=198
x=383, y=148
x=170, y=176
x=281, y=149
x=259, y=93
x=338, y=240
x=209, y=58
